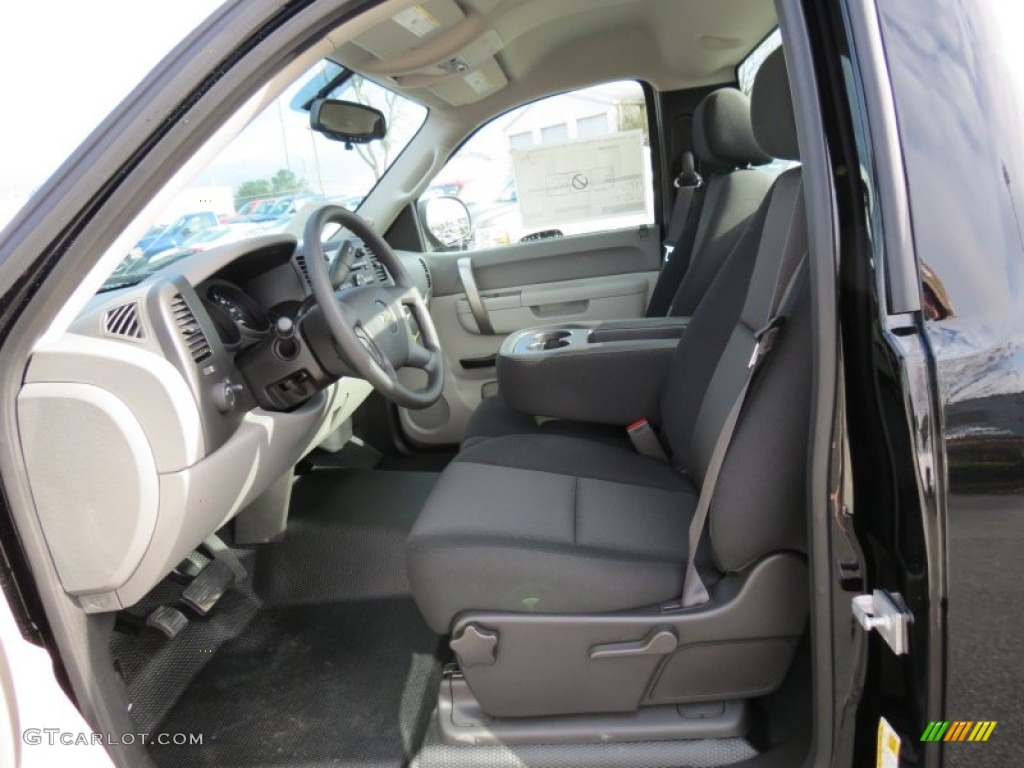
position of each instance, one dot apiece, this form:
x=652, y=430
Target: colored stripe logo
x=958, y=730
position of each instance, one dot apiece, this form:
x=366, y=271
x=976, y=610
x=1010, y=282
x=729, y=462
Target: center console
x=606, y=372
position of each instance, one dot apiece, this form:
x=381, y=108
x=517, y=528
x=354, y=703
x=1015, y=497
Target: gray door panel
x=602, y=276
x=546, y=261
x=586, y=298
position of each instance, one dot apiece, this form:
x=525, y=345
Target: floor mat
x=343, y=684
x=434, y=461
x=156, y=671
x=345, y=539
x=361, y=456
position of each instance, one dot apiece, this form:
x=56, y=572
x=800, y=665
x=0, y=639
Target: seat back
x=723, y=140
x=758, y=506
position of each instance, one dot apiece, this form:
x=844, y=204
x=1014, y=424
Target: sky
x=87, y=56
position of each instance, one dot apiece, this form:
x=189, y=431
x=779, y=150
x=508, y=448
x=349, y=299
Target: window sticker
x=888, y=746
x=581, y=179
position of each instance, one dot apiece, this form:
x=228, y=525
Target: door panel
x=588, y=298
x=603, y=276
x=616, y=252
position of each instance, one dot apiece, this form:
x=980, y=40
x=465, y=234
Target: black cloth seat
x=559, y=524
x=724, y=141
x=496, y=418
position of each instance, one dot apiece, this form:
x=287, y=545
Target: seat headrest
x=771, y=109
x=722, y=133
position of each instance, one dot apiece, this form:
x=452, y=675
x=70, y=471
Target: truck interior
x=356, y=494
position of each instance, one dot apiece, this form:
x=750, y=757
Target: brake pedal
x=208, y=587
x=218, y=550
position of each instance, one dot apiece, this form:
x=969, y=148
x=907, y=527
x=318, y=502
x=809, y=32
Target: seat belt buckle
x=765, y=338
x=645, y=440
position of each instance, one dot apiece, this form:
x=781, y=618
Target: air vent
x=379, y=269
x=300, y=259
x=426, y=273
x=124, y=321
x=194, y=337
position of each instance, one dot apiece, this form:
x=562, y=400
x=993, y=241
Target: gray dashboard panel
x=93, y=479
x=130, y=468
x=197, y=501
x=152, y=388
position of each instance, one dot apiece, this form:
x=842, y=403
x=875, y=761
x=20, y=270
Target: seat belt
x=694, y=591
x=682, y=231
x=687, y=183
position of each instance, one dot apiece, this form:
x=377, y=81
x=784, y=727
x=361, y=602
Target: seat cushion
x=550, y=524
x=496, y=418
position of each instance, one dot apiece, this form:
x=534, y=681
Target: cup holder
x=550, y=340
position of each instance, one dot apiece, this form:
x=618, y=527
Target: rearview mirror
x=347, y=121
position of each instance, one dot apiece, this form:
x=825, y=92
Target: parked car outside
x=160, y=238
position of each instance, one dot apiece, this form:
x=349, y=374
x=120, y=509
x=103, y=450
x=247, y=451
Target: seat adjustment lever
x=475, y=646
x=660, y=641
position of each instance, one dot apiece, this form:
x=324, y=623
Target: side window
x=747, y=69
x=571, y=164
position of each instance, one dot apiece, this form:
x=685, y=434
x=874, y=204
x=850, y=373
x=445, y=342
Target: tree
x=284, y=182
x=251, y=190
x=377, y=154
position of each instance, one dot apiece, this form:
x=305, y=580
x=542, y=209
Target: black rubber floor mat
x=346, y=684
x=155, y=670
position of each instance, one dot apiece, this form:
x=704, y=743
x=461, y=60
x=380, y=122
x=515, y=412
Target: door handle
x=476, y=303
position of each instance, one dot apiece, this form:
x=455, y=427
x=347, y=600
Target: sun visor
x=435, y=46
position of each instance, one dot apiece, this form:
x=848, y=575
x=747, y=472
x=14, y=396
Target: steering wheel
x=369, y=323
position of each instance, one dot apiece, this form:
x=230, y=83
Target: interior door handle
x=476, y=303
x=660, y=641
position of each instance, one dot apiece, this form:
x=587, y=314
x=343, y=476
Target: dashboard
x=172, y=405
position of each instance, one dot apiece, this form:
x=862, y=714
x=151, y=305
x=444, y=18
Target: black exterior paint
x=959, y=111
x=884, y=525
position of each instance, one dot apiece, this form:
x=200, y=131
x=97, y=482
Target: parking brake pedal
x=208, y=587
x=167, y=621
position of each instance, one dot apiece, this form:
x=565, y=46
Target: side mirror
x=447, y=220
x=347, y=121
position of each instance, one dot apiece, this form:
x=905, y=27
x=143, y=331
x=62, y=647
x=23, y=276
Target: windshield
x=274, y=173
